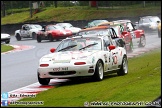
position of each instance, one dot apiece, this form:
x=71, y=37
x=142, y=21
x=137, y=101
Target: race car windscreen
x=116, y=30
x=155, y=19
x=76, y=44
x=94, y=32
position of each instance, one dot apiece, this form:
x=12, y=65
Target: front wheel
x=43, y=81
x=34, y=35
x=130, y=47
x=39, y=39
x=51, y=38
x=159, y=33
x=142, y=42
x=18, y=37
x=7, y=41
x=98, y=75
x=124, y=67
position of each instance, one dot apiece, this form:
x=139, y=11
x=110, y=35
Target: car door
x=47, y=31
x=23, y=31
x=133, y=32
x=107, y=54
x=115, y=53
x=115, y=56
x=28, y=28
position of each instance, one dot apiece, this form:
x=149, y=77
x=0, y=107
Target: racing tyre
x=124, y=67
x=159, y=33
x=18, y=37
x=43, y=81
x=39, y=39
x=34, y=35
x=142, y=42
x=51, y=38
x=7, y=41
x=130, y=47
x=98, y=75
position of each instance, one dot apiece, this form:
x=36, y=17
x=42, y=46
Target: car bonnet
x=70, y=55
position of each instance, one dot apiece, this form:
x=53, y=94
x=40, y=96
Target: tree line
x=9, y=5
x=25, y=4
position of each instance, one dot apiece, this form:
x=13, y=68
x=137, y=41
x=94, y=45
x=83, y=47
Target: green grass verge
x=5, y=48
x=141, y=84
x=61, y=14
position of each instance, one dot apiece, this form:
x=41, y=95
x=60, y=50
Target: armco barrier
x=11, y=28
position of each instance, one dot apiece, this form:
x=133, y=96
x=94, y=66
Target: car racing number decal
x=121, y=53
x=114, y=57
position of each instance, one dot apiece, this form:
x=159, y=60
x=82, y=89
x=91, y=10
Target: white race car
x=5, y=38
x=28, y=31
x=78, y=56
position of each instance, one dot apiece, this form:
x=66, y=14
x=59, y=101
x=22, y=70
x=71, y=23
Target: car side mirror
x=111, y=47
x=52, y=50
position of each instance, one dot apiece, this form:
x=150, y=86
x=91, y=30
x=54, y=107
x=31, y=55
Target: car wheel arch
x=18, y=33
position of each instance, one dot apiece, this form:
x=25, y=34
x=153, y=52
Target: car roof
x=97, y=28
x=61, y=23
x=148, y=16
x=98, y=20
x=31, y=24
x=106, y=23
x=86, y=36
x=94, y=28
x=122, y=21
x=113, y=23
